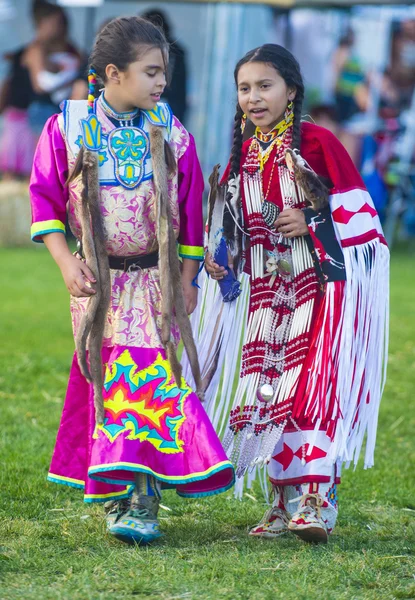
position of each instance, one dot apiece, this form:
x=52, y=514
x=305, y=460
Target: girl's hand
x=190, y=295
x=190, y=269
x=74, y=271
x=214, y=270
x=77, y=276
x=291, y=223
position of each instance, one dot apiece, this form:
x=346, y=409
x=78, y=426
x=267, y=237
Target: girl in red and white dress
x=305, y=242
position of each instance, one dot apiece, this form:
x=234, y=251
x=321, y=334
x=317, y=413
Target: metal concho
x=284, y=266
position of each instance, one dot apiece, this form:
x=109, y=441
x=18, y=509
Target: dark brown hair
x=287, y=66
x=41, y=9
x=123, y=41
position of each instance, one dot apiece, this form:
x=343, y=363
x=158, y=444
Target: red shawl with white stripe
x=343, y=380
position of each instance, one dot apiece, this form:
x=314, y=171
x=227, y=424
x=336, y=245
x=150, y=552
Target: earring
x=289, y=113
x=243, y=122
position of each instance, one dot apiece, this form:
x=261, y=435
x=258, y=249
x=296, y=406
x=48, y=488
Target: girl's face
x=263, y=94
x=140, y=85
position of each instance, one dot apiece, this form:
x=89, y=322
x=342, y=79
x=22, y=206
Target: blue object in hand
x=230, y=287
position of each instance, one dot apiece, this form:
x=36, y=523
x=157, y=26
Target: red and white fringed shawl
x=344, y=375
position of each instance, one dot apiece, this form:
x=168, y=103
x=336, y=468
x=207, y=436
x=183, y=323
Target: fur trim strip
x=91, y=329
x=169, y=266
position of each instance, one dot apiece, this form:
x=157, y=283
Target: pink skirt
x=150, y=426
x=17, y=143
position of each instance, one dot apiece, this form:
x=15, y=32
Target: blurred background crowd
x=358, y=63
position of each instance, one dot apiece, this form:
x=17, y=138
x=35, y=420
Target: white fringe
x=219, y=326
x=356, y=354
x=367, y=296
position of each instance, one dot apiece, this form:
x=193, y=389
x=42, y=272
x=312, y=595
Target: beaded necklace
x=125, y=119
x=275, y=137
x=285, y=142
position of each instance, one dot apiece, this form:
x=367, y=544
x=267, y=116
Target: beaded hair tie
x=92, y=80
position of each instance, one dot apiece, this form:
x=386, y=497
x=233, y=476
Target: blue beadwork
x=129, y=147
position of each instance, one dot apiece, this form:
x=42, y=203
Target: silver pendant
x=265, y=392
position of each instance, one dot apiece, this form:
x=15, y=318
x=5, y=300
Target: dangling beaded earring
x=289, y=113
x=92, y=80
x=243, y=123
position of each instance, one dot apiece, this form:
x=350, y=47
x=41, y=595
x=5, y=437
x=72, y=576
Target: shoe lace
x=140, y=512
x=117, y=506
x=309, y=503
x=273, y=511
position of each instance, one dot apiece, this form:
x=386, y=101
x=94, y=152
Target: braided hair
x=288, y=68
x=237, y=141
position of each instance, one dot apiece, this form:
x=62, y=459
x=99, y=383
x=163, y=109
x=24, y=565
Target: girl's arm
x=191, y=221
x=190, y=269
x=48, y=197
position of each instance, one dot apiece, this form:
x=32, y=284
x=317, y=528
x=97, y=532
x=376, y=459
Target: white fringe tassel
x=367, y=298
x=357, y=353
x=218, y=327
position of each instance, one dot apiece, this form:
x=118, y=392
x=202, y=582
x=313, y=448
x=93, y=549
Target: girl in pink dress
x=130, y=425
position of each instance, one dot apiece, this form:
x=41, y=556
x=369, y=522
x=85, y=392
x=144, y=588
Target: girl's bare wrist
x=62, y=257
x=190, y=268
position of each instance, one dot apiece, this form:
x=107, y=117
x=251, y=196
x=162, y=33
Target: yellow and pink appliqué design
x=150, y=426
x=143, y=404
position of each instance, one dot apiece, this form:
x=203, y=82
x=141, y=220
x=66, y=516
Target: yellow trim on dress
x=43, y=227
x=111, y=494
x=62, y=479
x=195, y=252
x=97, y=469
x=68, y=479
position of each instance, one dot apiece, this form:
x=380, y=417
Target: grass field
x=52, y=546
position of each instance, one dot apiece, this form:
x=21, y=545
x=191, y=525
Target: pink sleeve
x=191, y=204
x=48, y=193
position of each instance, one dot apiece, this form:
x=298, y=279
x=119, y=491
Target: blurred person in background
x=40, y=77
x=176, y=90
x=15, y=97
x=402, y=61
x=395, y=88
x=52, y=62
x=348, y=76
x=396, y=84
x=324, y=115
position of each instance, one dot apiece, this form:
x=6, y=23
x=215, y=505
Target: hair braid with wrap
x=298, y=103
x=237, y=141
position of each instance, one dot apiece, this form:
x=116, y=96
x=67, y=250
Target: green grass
x=52, y=546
